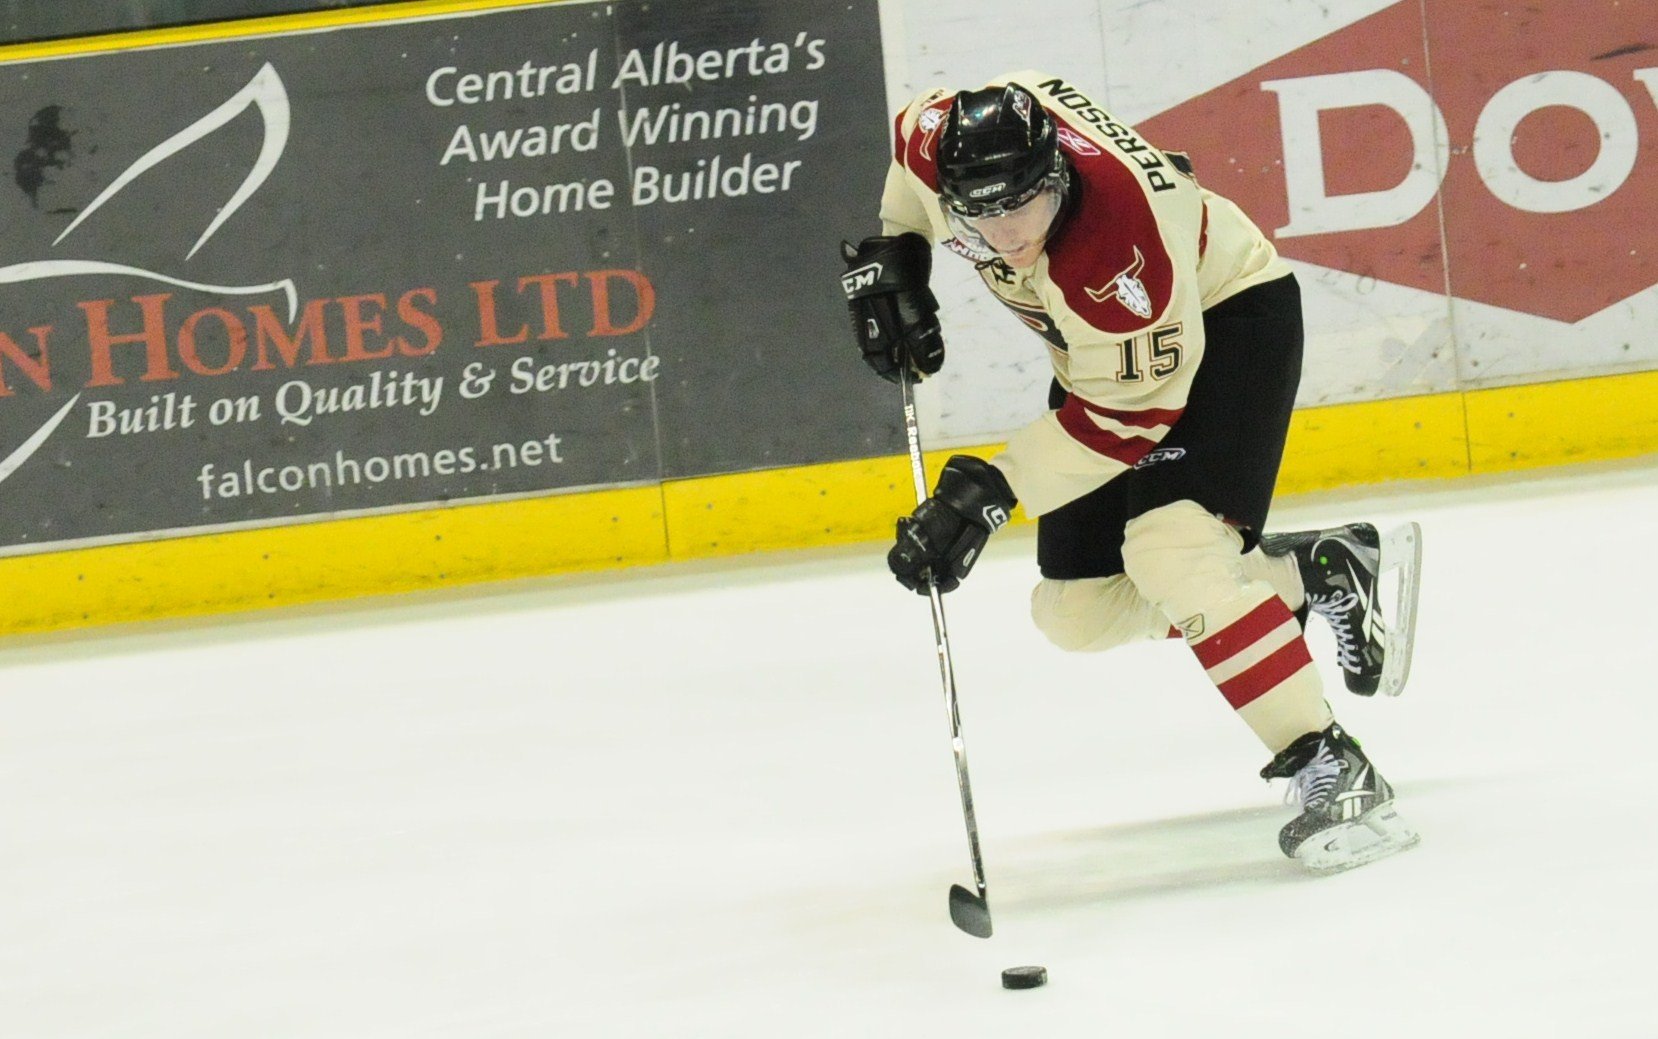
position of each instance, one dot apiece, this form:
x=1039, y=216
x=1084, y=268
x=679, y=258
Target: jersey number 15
x=1164, y=352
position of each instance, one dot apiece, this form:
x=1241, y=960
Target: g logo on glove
x=938, y=544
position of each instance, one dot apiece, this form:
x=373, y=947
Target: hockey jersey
x=1118, y=292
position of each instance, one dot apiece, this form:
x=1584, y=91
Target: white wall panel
x=1367, y=339
x=1162, y=52
x=1501, y=347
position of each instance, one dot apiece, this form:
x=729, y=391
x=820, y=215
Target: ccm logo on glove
x=894, y=313
x=862, y=278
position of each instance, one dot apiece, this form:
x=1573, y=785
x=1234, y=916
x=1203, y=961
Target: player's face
x=1019, y=234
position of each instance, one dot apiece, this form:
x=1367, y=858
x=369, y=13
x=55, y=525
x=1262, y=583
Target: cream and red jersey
x=1118, y=292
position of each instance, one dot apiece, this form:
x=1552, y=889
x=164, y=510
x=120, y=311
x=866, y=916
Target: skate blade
x=1402, y=556
x=1377, y=834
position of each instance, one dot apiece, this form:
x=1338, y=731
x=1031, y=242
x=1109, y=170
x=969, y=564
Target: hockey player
x=1175, y=333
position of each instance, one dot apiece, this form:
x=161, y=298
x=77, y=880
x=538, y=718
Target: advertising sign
x=1503, y=158
x=451, y=258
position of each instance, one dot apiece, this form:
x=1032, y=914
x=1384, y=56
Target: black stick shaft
x=946, y=670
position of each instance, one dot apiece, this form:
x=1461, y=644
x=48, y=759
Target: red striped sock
x=1254, y=654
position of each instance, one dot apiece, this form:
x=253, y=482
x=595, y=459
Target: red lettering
x=643, y=290
x=549, y=284
x=34, y=367
x=356, y=324
x=420, y=320
x=235, y=335
x=489, y=330
x=154, y=337
x=270, y=330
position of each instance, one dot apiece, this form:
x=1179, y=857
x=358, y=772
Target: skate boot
x=1347, y=816
x=1341, y=569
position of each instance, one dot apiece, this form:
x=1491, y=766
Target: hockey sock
x=1253, y=650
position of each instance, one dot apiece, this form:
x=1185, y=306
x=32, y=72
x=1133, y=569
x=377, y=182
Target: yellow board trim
x=1520, y=427
x=792, y=508
x=336, y=559
x=272, y=25
x=1374, y=441
x=1442, y=436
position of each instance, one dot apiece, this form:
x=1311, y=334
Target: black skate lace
x=1337, y=608
x=1311, y=786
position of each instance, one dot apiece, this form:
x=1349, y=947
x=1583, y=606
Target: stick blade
x=969, y=912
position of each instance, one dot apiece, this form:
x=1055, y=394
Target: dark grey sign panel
x=534, y=249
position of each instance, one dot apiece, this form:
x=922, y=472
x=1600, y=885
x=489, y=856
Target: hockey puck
x=1024, y=977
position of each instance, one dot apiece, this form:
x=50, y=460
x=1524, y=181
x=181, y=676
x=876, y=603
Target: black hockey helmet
x=998, y=149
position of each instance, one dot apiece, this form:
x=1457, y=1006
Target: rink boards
x=1419, y=438
x=731, y=421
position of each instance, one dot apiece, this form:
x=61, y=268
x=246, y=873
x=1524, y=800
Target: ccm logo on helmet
x=991, y=190
x=862, y=278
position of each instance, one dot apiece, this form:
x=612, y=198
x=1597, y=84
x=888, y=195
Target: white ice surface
x=718, y=801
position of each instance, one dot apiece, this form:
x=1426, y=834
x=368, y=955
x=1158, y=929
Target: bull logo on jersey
x=1127, y=288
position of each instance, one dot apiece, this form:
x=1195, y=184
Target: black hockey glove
x=945, y=533
x=894, y=313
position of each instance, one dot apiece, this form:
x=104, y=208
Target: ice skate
x=1341, y=569
x=1347, y=816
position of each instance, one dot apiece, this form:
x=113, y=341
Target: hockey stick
x=968, y=911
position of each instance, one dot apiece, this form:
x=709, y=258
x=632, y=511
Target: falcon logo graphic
x=264, y=94
x=267, y=96
x=1127, y=289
